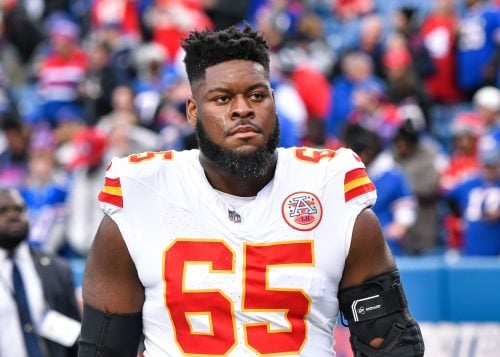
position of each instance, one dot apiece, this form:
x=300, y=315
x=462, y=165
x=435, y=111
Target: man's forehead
x=223, y=70
x=231, y=72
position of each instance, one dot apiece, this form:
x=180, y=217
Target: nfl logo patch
x=234, y=216
x=302, y=211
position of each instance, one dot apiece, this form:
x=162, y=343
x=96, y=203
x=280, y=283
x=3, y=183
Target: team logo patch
x=302, y=211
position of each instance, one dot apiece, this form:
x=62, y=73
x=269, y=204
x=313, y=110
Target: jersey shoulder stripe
x=155, y=170
x=112, y=192
x=357, y=183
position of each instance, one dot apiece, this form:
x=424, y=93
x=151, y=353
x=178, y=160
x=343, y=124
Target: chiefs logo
x=302, y=211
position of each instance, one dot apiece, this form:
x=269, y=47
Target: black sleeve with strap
x=109, y=335
x=378, y=309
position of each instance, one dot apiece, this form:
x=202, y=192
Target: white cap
x=488, y=97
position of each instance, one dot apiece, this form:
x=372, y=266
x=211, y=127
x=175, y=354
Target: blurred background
x=412, y=86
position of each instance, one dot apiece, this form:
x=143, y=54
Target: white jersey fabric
x=259, y=279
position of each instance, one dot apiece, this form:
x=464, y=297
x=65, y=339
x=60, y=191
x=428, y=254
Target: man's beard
x=245, y=165
x=9, y=240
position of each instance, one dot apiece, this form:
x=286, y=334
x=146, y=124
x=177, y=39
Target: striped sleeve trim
x=112, y=192
x=357, y=183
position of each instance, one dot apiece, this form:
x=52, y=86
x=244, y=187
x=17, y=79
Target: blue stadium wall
x=439, y=288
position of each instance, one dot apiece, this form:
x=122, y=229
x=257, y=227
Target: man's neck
x=224, y=181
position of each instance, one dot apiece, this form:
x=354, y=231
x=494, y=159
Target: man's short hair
x=207, y=48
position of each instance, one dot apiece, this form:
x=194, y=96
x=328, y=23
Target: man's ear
x=191, y=112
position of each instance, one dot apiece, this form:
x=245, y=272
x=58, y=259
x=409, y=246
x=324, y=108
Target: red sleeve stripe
x=113, y=182
x=358, y=191
x=357, y=183
x=354, y=174
x=111, y=199
x=112, y=192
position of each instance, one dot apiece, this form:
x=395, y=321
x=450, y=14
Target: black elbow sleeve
x=378, y=309
x=109, y=335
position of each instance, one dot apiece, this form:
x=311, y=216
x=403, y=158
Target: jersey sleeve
x=359, y=190
x=354, y=189
x=111, y=195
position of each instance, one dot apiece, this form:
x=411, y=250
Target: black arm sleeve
x=109, y=335
x=378, y=309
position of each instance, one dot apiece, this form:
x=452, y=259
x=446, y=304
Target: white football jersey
x=257, y=279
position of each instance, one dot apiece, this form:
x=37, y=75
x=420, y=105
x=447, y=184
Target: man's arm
x=369, y=254
x=372, y=298
x=112, y=296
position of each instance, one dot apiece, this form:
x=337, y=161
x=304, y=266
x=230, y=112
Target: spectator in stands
x=418, y=163
x=101, y=79
x=371, y=41
x=395, y=207
x=404, y=86
x=44, y=190
x=317, y=137
x=406, y=23
x=478, y=46
x=14, y=156
x=22, y=26
x=357, y=67
x=277, y=20
x=171, y=20
x=349, y=9
x=125, y=138
x=439, y=35
x=314, y=90
x=121, y=50
x=374, y=112
x=175, y=132
x=467, y=128
x=68, y=121
x=62, y=69
x=290, y=109
x=83, y=213
x=124, y=14
x=304, y=43
x=477, y=202
x=33, y=285
x=439, y=31
x=486, y=102
x=122, y=126
x=463, y=164
x=155, y=76
x=170, y=118
x=123, y=108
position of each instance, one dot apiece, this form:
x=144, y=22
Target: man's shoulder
x=161, y=173
x=50, y=266
x=339, y=172
x=47, y=259
x=308, y=158
x=149, y=163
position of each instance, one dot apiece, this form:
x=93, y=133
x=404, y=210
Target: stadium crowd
x=411, y=86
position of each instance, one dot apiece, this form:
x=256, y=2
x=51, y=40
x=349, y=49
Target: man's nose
x=241, y=108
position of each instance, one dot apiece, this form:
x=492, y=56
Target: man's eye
x=257, y=96
x=20, y=209
x=222, y=99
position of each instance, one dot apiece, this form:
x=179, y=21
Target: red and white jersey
x=59, y=77
x=260, y=279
